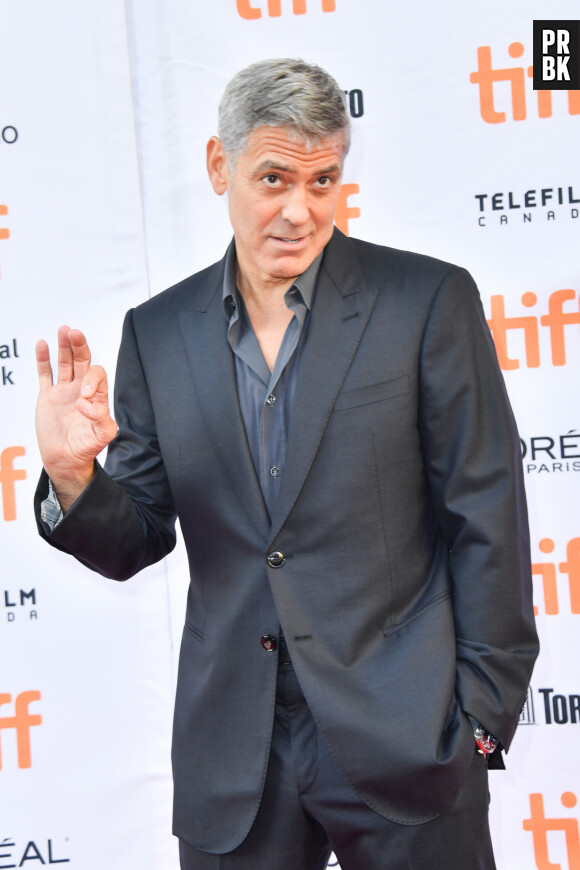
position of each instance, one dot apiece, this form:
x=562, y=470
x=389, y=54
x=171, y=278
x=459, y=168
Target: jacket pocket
x=372, y=393
x=397, y=626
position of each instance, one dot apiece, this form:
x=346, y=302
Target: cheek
x=325, y=224
x=265, y=213
x=254, y=217
x=325, y=212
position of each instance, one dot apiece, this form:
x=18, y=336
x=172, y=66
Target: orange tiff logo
x=539, y=826
x=22, y=721
x=344, y=211
x=8, y=476
x=556, y=321
x=547, y=571
x=486, y=77
x=4, y=231
x=251, y=13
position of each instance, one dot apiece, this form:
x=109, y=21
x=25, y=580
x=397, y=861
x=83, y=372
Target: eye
x=324, y=181
x=271, y=180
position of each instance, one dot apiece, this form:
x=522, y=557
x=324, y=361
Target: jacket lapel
x=204, y=331
x=342, y=307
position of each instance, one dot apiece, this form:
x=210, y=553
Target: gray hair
x=288, y=93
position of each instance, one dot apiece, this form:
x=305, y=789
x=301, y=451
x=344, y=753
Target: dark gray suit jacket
x=405, y=594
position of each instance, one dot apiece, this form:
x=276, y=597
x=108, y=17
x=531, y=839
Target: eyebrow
x=280, y=167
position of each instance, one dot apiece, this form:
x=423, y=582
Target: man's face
x=282, y=199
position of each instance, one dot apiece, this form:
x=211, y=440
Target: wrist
x=68, y=488
x=486, y=743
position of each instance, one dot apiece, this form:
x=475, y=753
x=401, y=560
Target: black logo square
x=556, y=55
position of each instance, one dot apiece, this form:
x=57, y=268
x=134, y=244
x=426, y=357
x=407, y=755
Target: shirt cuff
x=50, y=509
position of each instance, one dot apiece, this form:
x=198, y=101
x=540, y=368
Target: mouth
x=288, y=241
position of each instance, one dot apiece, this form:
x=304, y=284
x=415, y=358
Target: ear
x=217, y=167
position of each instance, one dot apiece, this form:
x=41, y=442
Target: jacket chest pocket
x=373, y=393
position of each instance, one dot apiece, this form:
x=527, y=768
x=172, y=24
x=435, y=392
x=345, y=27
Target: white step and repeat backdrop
x=105, y=110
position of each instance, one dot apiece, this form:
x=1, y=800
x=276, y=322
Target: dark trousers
x=308, y=810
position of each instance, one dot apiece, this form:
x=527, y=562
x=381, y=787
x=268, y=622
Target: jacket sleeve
x=125, y=518
x=473, y=459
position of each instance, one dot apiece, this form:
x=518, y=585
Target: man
x=328, y=421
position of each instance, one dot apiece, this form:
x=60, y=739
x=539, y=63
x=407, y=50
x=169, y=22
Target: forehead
x=277, y=146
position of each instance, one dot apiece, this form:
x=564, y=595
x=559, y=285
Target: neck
x=264, y=296
x=268, y=313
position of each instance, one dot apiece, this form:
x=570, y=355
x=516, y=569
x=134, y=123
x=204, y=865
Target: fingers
x=43, y=365
x=95, y=387
x=94, y=404
x=74, y=363
x=74, y=356
x=65, y=363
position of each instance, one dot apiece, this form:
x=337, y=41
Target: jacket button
x=268, y=641
x=276, y=559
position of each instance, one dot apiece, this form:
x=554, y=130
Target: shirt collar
x=304, y=283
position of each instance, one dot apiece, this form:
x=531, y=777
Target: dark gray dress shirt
x=266, y=397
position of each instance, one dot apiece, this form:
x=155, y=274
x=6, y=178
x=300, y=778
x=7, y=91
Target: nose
x=295, y=207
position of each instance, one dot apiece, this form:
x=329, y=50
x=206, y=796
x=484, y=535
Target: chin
x=290, y=266
x=290, y=270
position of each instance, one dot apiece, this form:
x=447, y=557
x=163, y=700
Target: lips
x=290, y=244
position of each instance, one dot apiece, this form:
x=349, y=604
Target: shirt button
x=271, y=400
x=276, y=559
x=275, y=471
x=268, y=641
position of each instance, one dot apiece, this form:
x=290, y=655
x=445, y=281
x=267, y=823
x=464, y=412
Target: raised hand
x=73, y=422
